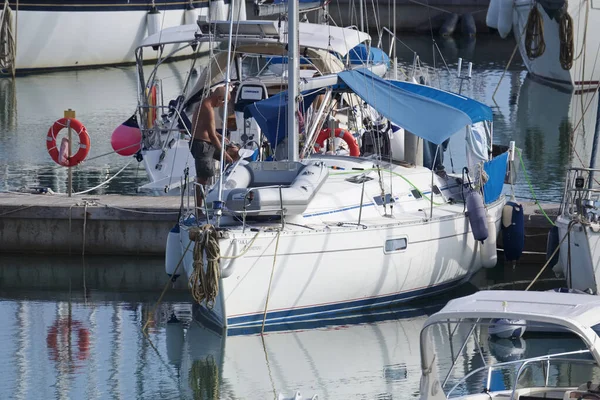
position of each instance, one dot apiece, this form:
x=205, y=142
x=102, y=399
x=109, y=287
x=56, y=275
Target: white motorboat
x=514, y=371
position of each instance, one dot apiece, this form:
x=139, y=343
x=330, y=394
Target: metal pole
x=219, y=206
x=362, y=27
x=70, y=114
x=594, y=145
x=394, y=39
x=293, y=66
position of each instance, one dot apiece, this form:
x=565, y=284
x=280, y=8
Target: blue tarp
x=496, y=171
x=429, y=113
x=271, y=114
x=362, y=54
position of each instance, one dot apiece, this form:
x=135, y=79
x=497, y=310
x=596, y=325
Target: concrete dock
x=105, y=224
x=138, y=225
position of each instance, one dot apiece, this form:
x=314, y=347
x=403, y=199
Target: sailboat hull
x=328, y=274
x=582, y=247
x=583, y=75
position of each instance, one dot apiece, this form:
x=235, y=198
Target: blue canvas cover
x=496, y=171
x=363, y=54
x=429, y=113
x=271, y=114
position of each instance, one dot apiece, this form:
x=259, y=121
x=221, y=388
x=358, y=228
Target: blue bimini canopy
x=429, y=113
x=271, y=114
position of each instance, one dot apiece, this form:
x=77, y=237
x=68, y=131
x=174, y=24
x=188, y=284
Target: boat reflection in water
x=372, y=356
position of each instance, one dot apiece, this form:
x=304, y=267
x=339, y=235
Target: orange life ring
x=84, y=141
x=64, y=328
x=152, y=96
x=343, y=134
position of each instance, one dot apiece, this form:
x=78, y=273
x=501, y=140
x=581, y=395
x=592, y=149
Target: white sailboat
x=326, y=235
x=558, y=40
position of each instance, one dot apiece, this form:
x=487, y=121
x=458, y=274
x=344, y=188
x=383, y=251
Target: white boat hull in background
x=72, y=39
x=325, y=274
x=583, y=247
x=585, y=72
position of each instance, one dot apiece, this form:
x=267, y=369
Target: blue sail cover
x=271, y=114
x=429, y=113
x=496, y=171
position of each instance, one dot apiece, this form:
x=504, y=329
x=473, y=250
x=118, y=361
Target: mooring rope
x=204, y=284
x=535, y=45
x=565, y=24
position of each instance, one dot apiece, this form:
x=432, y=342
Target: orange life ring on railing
x=63, y=329
x=152, y=100
x=343, y=134
x=84, y=142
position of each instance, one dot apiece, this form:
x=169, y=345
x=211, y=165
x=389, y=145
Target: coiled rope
x=535, y=45
x=204, y=284
x=565, y=26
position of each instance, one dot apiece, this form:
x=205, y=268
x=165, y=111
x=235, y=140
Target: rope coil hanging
x=565, y=26
x=535, y=45
x=204, y=283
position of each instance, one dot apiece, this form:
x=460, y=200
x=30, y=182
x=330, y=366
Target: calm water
x=72, y=328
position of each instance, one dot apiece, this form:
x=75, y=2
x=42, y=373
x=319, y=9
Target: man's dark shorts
x=203, y=153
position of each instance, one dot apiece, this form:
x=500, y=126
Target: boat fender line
x=477, y=216
x=84, y=142
x=489, y=252
x=343, y=134
x=173, y=252
x=513, y=230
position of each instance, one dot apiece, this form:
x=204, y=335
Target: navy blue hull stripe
x=99, y=5
x=334, y=310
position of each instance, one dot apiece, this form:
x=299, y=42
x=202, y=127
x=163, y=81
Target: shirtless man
x=207, y=141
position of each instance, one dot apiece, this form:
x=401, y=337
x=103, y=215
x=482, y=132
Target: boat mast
x=218, y=206
x=293, y=67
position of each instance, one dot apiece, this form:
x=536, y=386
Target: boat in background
x=258, y=71
x=558, y=40
x=566, y=369
x=43, y=35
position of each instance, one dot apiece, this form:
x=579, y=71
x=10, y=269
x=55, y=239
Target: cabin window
x=388, y=199
x=359, y=179
x=393, y=245
x=416, y=194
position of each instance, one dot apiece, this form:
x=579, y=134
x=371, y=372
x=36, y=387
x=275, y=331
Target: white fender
x=173, y=253
x=153, y=22
x=491, y=18
x=505, y=17
x=489, y=253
